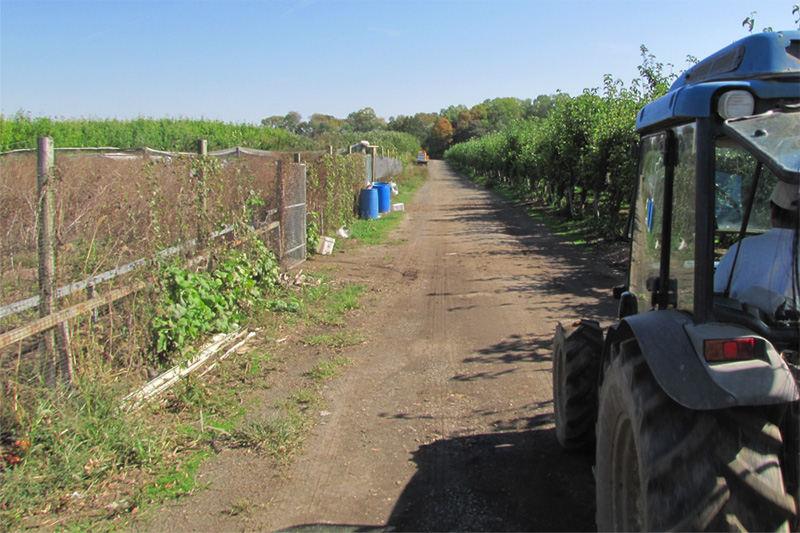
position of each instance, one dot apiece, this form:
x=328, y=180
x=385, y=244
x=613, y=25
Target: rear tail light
x=725, y=350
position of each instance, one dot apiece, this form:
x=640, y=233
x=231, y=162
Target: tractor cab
x=713, y=150
x=690, y=400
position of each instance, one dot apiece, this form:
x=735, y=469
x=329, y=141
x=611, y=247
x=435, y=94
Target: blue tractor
x=690, y=399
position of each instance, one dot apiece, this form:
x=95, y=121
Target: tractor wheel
x=661, y=466
x=576, y=366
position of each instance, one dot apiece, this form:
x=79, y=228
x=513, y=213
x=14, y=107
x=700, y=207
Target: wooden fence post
x=52, y=366
x=202, y=200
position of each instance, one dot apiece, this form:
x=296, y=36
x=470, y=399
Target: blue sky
x=240, y=61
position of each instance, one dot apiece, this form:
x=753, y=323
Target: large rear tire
x=577, y=351
x=661, y=466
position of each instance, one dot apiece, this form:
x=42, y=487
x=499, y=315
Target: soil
x=443, y=420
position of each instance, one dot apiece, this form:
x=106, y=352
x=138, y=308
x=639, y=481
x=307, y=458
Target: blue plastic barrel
x=384, y=196
x=368, y=203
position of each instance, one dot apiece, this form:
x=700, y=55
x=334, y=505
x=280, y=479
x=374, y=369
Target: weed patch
x=337, y=339
x=327, y=369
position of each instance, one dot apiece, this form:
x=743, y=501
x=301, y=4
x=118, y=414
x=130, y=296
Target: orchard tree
x=653, y=82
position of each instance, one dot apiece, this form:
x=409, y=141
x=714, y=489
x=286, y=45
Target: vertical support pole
x=281, y=209
x=202, y=201
x=54, y=363
x=297, y=157
x=374, y=163
x=330, y=150
x=45, y=163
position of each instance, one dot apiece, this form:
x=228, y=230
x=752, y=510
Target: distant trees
x=441, y=137
x=319, y=125
x=364, y=120
x=460, y=123
x=418, y=125
x=288, y=122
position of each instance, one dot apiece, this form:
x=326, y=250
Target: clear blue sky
x=240, y=61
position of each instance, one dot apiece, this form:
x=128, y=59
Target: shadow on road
x=583, y=274
x=506, y=481
x=514, y=481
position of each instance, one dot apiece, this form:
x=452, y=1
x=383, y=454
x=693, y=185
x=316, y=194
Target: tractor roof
x=767, y=64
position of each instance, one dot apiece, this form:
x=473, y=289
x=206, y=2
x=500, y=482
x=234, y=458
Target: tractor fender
x=672, y=345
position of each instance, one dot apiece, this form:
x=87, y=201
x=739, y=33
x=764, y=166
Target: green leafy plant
x=288, y=305
x=312, y=232
x=196, y=304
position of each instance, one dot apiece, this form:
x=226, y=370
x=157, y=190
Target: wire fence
x=113, y=213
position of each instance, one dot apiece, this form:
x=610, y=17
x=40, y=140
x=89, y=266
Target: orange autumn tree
x=441, y=137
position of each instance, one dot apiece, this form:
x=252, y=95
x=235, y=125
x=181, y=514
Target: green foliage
x=569, y=152
x=288, y=305
x=364, y=120
x=312, y=233
x=394, y=141
x=320, y=125
x=191, y=306
x=74, y=443
x=289, y=122
x=196, y=304
x=418, y=125
x=333, y=184
x=180, y=135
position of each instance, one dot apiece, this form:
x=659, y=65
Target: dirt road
x=444, y=419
